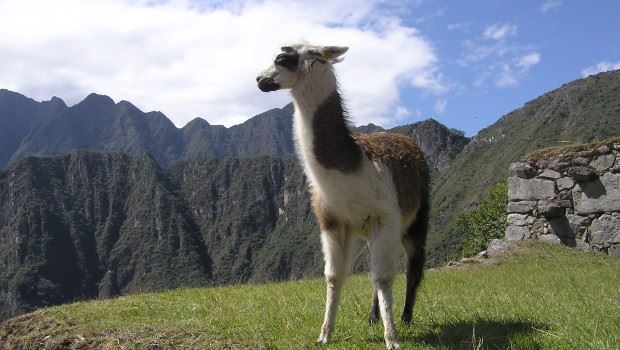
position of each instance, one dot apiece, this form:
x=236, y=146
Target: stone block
x=581, y=161
x=565, y=183
x=598, y=196
x=520, y=220
x=605, y=230
x=549, y=209
x=565, y=195
x=522, y=170
x=550, y=174
x=565, y=203
x=542, y=163
x=553, y=239
x=578, y=224
x=604, y=162
x=517, y=233
x=614, y=251
x=603, y=149
x=539, y=227
x=497, y=246
x=581, y=173
x=581, y=245
x=558, y=166
x=530, y=189
x=521, y=207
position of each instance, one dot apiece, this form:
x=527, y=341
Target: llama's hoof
x=393, y=346
x=321, y=341
x=406, y=319
x=373, y=319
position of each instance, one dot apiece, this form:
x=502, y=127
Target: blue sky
x=464, y=63
x=569, y=37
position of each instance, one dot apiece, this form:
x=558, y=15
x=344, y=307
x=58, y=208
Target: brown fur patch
x=327, y=221
x=405, y=161
x=333, y=145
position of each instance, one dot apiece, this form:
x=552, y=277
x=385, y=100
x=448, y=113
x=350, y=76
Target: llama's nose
x=258, y=78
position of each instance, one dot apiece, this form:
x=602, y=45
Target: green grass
x=542, y=297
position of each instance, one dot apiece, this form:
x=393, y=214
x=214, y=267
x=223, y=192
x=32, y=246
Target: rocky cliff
x=90, y=225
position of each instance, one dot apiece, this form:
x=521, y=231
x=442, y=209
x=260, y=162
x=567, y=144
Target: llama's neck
x=322, y=136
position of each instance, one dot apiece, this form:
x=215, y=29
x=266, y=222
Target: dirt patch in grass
x=39, y=330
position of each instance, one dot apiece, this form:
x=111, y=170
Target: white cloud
x=528, y=60
x=440, y=105
x=603, y=66
x=501, y=60
x=458, y=26
x=512, y=73
x=401, y=113
x=550, y=5
x=498, y=32
x=507, y=77
x=192, y=59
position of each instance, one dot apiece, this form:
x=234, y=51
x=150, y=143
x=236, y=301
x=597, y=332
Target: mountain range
x=101, y=199
x=98, y=123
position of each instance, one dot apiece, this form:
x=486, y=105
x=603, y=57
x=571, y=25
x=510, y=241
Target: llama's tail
x=415, y=242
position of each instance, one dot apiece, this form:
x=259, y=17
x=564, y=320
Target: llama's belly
x=357, y=198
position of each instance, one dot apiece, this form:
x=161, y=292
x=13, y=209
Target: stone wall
x=570, y=197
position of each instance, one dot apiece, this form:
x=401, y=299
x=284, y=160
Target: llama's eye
x=283, y=61
x=288, y=61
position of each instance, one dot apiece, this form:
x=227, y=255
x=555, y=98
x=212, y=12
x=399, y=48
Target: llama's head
x=297, y=62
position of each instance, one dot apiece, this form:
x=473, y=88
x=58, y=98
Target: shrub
x=486, y=222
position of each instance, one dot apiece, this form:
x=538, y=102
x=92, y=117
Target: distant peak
x=98, y=99
x=5, y=92
x=57, y=101
x=197, y=121
x=124, y=102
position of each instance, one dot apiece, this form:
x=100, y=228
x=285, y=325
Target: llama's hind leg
x=374, y=314
x=415, y=269
x=337, y=246
x=384, y=254
x=414, y=242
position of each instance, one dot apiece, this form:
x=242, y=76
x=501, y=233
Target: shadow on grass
x=481, y=334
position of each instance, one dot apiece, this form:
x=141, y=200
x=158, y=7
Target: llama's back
x=405, y=160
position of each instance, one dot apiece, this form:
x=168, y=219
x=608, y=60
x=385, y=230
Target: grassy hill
x=539, y=297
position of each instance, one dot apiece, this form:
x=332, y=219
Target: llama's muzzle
x=267, y=84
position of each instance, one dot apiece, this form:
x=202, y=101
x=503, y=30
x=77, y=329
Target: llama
x=372, y=186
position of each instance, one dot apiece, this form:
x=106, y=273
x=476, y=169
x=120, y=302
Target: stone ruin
x=569, y=197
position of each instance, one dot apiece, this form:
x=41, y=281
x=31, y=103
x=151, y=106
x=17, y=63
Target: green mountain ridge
x=581, y=111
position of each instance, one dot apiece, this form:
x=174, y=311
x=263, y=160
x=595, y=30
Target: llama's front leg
x=384, y=253
x=336, y=251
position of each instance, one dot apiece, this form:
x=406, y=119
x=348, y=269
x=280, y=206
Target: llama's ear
x=331, y=53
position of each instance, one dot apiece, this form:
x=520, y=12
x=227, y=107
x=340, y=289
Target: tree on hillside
x=486, y=222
